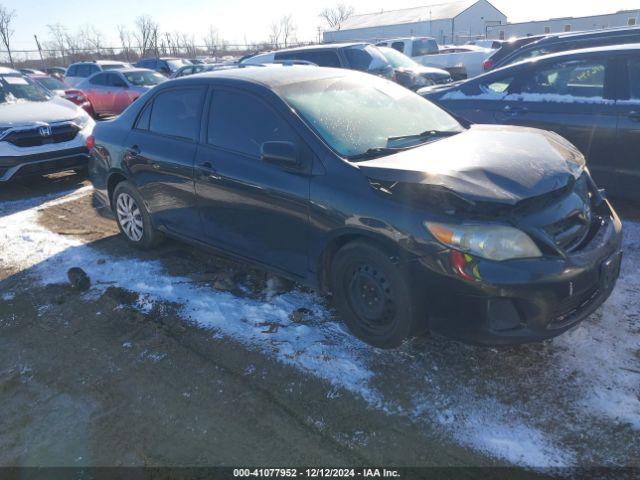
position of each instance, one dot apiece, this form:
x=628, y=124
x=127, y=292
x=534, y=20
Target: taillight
x=488, y=64
x=90, y=143
x=76, y=96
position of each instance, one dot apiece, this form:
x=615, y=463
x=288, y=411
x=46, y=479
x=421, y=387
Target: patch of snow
x=602, y=350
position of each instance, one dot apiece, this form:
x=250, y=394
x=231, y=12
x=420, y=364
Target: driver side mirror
x=282, y=154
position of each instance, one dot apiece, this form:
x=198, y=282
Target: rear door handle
x=209, y=172
x=634, y=116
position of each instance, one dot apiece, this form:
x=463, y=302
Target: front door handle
x=634, y=116
x=209, y=172
x=511, y=110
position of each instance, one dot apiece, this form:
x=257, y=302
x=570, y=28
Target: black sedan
x=591, y=97
x=355, y=185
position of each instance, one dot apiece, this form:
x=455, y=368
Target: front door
x=160, y=151
x=251, y=208
x=624, y=166
x=574, y=98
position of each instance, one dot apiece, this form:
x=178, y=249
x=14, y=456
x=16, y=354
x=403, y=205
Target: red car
x=58, y=88
x=111, y=92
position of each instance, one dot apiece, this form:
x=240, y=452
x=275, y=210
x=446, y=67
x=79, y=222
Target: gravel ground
x=176, y=357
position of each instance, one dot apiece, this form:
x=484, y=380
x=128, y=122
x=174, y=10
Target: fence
x=62, y=57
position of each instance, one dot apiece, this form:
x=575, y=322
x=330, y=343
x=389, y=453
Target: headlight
x=494, y=242
x=82, y=121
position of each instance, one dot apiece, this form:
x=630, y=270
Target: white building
x=569, y=24
x=451, y=22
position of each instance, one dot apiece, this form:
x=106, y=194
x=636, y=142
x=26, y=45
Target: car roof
x=570, y=53
x=7, y=70
x=609, y=32
x=324, y=46
x=402, y=39
x=271, y=76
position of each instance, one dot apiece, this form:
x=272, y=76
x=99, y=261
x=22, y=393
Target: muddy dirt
x=131, y=373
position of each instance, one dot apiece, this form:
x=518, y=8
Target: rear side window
x=399, y=46
x=322, y=58
x=143, y=120
x=71, y=72
x=242, y=123
x=582, y=78
x=114, y=80
x=176, y=113
x=84, y=71
x=634, y=78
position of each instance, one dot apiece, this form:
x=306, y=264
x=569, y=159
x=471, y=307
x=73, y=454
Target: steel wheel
x=129, y=217
x=371, y=297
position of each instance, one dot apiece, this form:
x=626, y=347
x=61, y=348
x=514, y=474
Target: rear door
x=160, y=151
x=624, y=167
x=249, y=207
x=121, y=93
x=573, y=97
x=97, y=92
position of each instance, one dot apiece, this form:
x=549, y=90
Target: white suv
x=40, y=133
x=77, y=72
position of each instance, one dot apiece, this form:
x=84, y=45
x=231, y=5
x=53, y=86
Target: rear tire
x=133, y=218
x=373, y=295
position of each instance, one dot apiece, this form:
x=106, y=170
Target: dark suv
x=355, y=185
x=354, y=56
x=564, y=42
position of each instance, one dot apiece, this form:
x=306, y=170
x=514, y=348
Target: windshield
x=355, y=115
x=51, y=83
x=16, y=88
x=397, y=59
x=144, y=79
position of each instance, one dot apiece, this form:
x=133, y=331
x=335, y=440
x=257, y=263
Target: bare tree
x=274, y=34
x=6, y=32
x=57, y=40
x=288, y=29
x=212, y=41
x=90, y=39
x=146, y=34
x=336, y=16
x=125, y=41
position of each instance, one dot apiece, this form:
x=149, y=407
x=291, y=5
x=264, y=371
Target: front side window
x=581, y=78
x=16, y=88
x=114, y=80
x=365, y=58
x=242, y=123
x=176, y=113
x=498, y=86
x=399, y=46
x=358, y=115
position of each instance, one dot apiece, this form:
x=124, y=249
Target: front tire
x=372, y=294
x=133, y=218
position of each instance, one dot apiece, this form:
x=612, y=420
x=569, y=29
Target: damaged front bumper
x=522, y=301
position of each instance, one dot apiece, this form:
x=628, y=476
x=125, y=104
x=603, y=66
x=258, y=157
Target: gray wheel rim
x=129, y=217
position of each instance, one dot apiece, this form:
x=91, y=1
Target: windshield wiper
x=425, y=135
x=376, y=152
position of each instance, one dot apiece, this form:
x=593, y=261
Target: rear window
x=51, y=84
x=177, y=113
x=113, y=66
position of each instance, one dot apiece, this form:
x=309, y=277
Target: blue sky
x=245, y=20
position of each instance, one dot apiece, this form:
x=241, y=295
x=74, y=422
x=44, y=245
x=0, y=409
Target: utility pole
x=44, y=65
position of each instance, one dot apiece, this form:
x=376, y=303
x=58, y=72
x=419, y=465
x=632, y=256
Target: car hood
x=420, y=70
x=485, y=163
x=28, y=113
